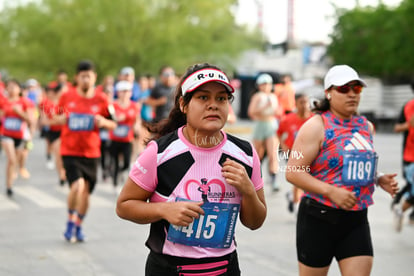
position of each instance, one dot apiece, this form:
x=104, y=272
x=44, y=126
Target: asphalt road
x=32, y=223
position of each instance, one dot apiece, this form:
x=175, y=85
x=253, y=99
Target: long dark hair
x=177, y=118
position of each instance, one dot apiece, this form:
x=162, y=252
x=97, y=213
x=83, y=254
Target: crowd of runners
x=193, y=165
x=27, y=109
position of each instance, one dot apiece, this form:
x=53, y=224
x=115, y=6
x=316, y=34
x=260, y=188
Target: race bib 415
x=214, y=229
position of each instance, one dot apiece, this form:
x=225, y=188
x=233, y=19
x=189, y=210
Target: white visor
x=196, y=79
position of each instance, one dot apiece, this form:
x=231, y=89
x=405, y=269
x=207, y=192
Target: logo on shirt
x=95, y=108
x=131, y=112
x=213, y=190
x=358, y=142
x=140, y=167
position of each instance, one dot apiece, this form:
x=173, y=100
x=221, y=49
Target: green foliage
x=39, y=39
x=376, y=41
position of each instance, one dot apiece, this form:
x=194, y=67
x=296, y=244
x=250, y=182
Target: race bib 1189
x=359, y=168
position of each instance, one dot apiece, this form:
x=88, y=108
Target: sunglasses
x=357, y=88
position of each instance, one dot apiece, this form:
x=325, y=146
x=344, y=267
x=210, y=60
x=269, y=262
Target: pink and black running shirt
x=173, y=169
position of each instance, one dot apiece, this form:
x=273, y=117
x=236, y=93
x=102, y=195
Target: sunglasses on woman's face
x=356, y=87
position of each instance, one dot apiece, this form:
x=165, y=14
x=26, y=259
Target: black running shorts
x=16, y=142
x=52, y=135
x=323, y=233
x=81, y=167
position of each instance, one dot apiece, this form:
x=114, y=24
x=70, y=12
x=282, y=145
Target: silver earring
x=328, y=96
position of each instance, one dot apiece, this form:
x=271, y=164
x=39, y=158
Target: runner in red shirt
x=48, y=108
x=83, y=112
x=288, y=128
x=127, y=117
x=2, y=86
x=62, y=79
x=408, y=158
x=15, y=118
x=2, y=99
x=27, y=136
x=2, y=96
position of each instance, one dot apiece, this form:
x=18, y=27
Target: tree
x=377, y=41
x=43, y=37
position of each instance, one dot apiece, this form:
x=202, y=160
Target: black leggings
x=118, y=149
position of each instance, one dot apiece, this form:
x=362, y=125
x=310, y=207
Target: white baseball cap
x=31, y=82
x=127, y=71
x=200, y=77
x=123, y=85
x=264, y=78
x=341, y=74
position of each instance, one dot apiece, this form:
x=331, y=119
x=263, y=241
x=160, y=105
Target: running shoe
x=80, y=237
x=398, y=218
x=104, y=176
x=50, y=165
x=69, y=231
x=9, y=192
x=273, y=180
x=62, y=182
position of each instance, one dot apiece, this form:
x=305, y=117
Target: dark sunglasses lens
x=343, y=89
